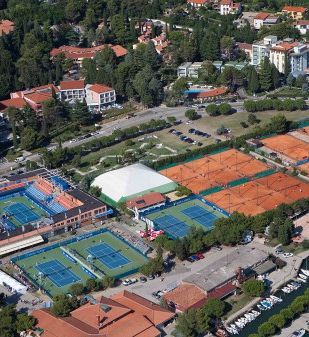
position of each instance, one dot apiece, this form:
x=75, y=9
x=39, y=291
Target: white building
x=297, y=54
x=197, y=3
x=72, y=91
x=229, y=7
x=99, y=96
x=302, y=26
x=261, y=49
x=264, y=19
x=183, y=70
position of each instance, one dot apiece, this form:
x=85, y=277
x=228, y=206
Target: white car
x=286, y=255
x=133, y=280
x=126, y=282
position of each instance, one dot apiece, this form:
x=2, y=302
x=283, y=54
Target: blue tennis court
x=110, y=257
x=172, y=226
x=59, y=274
x=200, y=215
x=22, y=213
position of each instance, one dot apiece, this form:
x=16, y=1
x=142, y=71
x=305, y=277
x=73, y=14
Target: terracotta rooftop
x=302, y=22
x=155, y=313
x=72, y=52
x=146, y=200
x=6, y=26
x=100, y=88
x=186, y=296
x=285, y=46
x=210, y=93
x=198, y=2
x=17, y=103
x=126, y=315
x=296, y=9
x=38, y=97
x=262, y=16
x=68, y=85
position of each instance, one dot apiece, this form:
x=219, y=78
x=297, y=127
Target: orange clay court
x=261, y=195
x=304, y=167
x=215, y=170
x=288, y=146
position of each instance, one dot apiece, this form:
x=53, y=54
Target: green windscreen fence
x=191, y=158
x=211, y=190
x=238, y=182
x=264, y=173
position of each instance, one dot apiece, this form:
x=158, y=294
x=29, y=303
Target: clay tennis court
x=288, y=146
x=260, y=195
x=304, y=167
x=215, y=170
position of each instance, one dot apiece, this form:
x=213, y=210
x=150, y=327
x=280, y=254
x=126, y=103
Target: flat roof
x=224, y=269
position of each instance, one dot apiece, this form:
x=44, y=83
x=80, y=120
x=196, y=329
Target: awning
x=13, y=247
x=6, y=279
x=265, y=267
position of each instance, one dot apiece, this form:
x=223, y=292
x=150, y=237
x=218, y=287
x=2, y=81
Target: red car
x=200, y=256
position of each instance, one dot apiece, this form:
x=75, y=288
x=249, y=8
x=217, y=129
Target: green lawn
x=28, y=264
x=23, y=200
x=176, y=211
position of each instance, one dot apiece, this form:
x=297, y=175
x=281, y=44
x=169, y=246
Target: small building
x=235, y=64
x=302, y=26
x=146, y=202
x=246, y=48
x=206, y=96
x=185, y=297
x=256, y=143
x=264, y=19
x=294, y=12
x=183, y=70
x=6, y=27
x=229, y=7
x=194, y=68
x=99, y=96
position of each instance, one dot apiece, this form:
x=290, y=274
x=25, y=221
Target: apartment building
x=99, y=96
x=72, y=90
x=302, y=26
x=264, y=19
x=197, y=3
x=294, y=12
x=261, y=49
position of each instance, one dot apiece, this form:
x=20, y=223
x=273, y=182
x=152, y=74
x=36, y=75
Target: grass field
x=22, y=200
x=177, y=212
x=28, y=264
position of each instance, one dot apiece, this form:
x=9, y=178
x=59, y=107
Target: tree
x=287, y=313
x=7, y=321
x=278, y=321
x=63, y=305
x=284, y=234
x=252, y=119
x=279, y=123
x=214, y=308
x=191, y=114
x=212, y=110
x=12, y=114
x=91, y=284
x=179, y=87
x=253, y=288
x=287, y=66
x=24, y=322
x=266, y=329
x=108, y=281
x=225, y=109
x=290, y=80
x=171, y=119
x=266, y=75
x=253, y=81
x=81, y=114
x=28, y=138
x=186, y=324
x=182, y=190
x=77, y=289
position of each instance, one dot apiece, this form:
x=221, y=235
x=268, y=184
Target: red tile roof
x=81, y=53
x=105, y=318
x=261, y=16
x=17, y=103
x=186, y=296
x=38, y=97
x=222, y=291
x=285, y=46
x=154, y=312
x=6, y=26
x=302, y=22
x=294, y=9
x=146, y=200
x=197, y=2
x=100, y=88
x=68, y=85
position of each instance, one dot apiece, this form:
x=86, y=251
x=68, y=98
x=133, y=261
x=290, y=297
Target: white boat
x=305, y=271
x=249, y=317
x=239, y=325
x=233, y=326
x=230, y=330
x=296, y=284
x=286, y=290
x=299, y=333
x=301, y=280
x=256, y=313
x=270, y=300
x=291, y=286
x=275, y=298
x=303, y=276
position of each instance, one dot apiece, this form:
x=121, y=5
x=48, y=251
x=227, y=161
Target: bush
x=253, y=288
x=275, y=104
x=225, y=109
x=213, y=110
x=191, y=114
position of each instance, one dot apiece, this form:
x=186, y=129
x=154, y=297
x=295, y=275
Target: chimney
x=99, y=321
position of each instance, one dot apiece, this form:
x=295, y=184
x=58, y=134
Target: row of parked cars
x=184, y=138
x=142, y=279
x=88, y=135
x=199, y=133
x=283, y=253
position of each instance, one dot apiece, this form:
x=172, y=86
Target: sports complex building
x=39, y=204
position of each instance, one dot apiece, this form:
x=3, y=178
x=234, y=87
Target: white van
x=19, y=159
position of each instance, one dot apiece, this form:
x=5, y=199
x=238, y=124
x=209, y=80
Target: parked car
x=287, y=255
x=217, y=248
x=195, y=257
x=126, y=282
x=190, y=259
x=151, y=277
x=143, y=279
x=200, y=256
